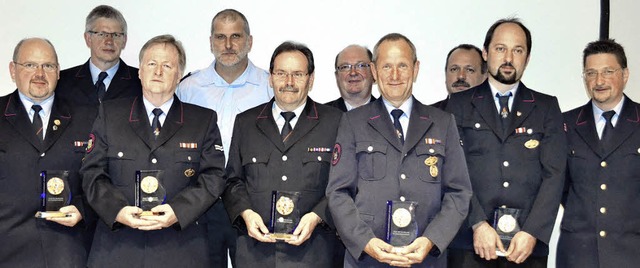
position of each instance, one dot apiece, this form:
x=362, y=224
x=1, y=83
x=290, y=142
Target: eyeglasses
x=347, y=67
x=32, y=66
x=280, y=75
x=606, y=73
x=104, y=35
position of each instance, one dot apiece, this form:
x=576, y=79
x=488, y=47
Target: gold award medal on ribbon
x=55, y=186
x=284, y=206
x=530, y=144
x=507, y=223
x=431, y=161
x=189, y=172
x=401, y=217
x=149, y=184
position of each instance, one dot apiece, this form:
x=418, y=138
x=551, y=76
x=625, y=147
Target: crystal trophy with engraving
x=285, y=214
x=149, y=191
x=401, y=227
x=55, y=193
x=505, y=221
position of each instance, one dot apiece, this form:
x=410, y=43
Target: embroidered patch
x=337, y=152
x=91, y=142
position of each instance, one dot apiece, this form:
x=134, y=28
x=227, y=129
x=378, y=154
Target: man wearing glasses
x=40, y=132
x=353, y=76
x=230, y=85
x=104, y=76
x=283, y=145
x=601, y=220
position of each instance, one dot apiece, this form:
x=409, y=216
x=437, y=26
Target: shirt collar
x=95, y=72
x=46, y=104
x=406, y=106
x=597, y=112
x=513, y=90
x=165, y=107
x=250, y=75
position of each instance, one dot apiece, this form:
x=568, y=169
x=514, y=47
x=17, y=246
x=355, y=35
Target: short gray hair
x=107, y=12
x=167, y=39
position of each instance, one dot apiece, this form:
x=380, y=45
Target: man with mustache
x=515, y=151
x=601, y=220
x=353, y=76
x=465, y=68
x=284, y=145
x=230, y=85
x=104, y=76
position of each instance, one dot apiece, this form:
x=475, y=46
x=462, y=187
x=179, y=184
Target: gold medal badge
x=401, y=217
x=189, y=172
x=149, y=184
x=55, y=186
x=284, y=206
x=431, y=162
x=530, y=144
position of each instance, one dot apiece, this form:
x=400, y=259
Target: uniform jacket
x=27, y=241
x=77, y=87
x=601, y=223
x=122, y=143
x=441, y=104
x=339, y=103
x=371, y=166
x=504, y=170
x=260, y=162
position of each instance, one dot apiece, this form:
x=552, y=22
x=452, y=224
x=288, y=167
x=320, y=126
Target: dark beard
x=503, y=79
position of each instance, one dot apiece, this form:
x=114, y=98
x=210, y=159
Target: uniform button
x=529, y=131
x=603, y=164
x=503, y=206
x=284, y=158
x=402, y=176
x=154, y=160
x=432, y=150
x=402, y=198
x=573, y=152
x=284, y=178
x=189, y=158
x=639, y=150
x=603, y=210
x=603, y=186
x=477, y=125
x=254, y=159
x=319, y=158
x=505, y=184
x=120, y=154
x=505, y=163
x=603, y=234
x=370, y=148
x=42, y=155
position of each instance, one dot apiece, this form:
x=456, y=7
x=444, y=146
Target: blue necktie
x=396, y=113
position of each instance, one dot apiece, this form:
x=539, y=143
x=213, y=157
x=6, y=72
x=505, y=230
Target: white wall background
x=560, y=31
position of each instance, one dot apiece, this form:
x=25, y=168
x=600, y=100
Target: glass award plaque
x=401, y=227
x=55, y=193
x=285, y=215
x=505, y=221
x=149, y=191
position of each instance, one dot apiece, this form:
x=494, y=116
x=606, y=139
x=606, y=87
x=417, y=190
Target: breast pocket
x=189, y=161
x=121, y=161
x=256, y=172
x=316, y=165
x=476, y=136
x=372, y=160
x=430, y=159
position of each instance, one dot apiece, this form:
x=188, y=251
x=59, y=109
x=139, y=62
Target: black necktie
x=155, y=124
x=37, y=121
x=396, y=113
x=607, y=132
x=100, y=87
x=504, y=105
x=286, y=129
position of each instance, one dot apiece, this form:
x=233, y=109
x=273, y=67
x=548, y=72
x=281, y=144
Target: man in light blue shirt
x=230, y=85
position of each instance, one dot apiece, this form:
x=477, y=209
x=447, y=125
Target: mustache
x=288, y=89
x=506, y=64
x=460, y=83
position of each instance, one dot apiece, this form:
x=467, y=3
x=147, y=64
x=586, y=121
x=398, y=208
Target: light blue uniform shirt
x=111, y=72
x=208, y=89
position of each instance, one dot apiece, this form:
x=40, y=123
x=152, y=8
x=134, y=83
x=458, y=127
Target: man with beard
x=230, y=85
x=601, y=220
x=284, y=145
x=515, y=151
x=465, y=68
x=353, y=76
x=104, y=76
